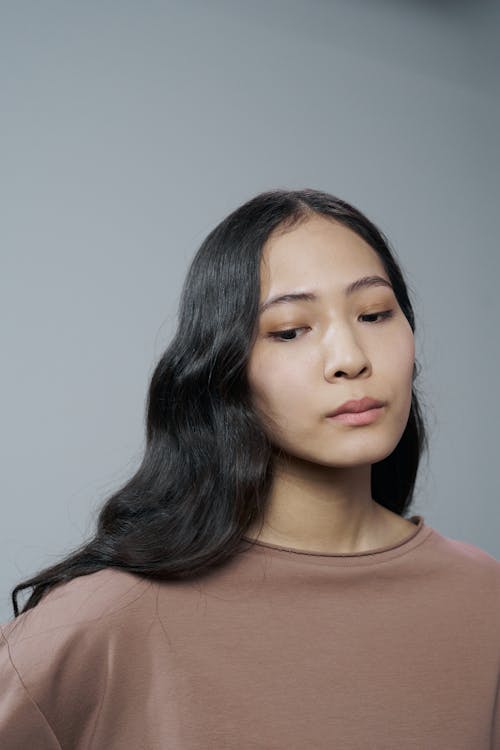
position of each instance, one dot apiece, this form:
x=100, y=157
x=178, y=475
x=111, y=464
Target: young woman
x=258, y=582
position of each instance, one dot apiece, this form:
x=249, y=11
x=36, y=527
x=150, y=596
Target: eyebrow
x=364, y=283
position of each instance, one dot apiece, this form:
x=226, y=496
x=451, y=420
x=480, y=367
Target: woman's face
x=333, y=354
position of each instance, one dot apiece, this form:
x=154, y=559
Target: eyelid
x=382, y=315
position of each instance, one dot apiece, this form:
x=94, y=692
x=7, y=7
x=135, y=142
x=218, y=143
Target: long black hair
x=207, y=467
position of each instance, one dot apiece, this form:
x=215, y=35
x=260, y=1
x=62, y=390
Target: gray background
x=130, y=129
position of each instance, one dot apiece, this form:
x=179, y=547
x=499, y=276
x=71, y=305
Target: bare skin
x=320, y=498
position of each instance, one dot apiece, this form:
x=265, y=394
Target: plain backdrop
x=130, y=129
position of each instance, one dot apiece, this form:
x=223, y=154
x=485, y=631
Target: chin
x=355, y=455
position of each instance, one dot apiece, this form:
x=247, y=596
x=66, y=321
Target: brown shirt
x=391, y=649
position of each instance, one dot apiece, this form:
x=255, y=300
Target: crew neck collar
x=412, y=540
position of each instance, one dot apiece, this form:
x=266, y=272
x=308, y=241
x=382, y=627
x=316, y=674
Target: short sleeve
x=22, y=724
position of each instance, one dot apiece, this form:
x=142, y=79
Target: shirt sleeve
x=22, y=723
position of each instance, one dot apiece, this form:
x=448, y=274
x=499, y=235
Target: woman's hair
x=206, y=471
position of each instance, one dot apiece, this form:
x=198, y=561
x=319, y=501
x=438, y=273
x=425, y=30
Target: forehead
x=319, y=249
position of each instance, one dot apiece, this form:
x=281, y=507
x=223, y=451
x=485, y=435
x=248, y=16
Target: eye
x=382, y=315
x=278, y=335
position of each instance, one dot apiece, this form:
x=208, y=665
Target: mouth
x=358, y=418
x=357, y=405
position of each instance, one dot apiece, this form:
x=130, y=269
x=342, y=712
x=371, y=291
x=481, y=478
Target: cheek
x=397, y=355
x=275, y=385
x=399, y=371
x=407, y=355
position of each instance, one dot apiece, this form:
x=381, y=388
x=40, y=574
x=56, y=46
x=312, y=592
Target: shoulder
x=465, y=551
x=89, y=602
x=83, y=622
x=56, y=658
x=467, y=562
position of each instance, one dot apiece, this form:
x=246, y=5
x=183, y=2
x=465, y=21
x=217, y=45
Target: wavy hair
x=206, y=471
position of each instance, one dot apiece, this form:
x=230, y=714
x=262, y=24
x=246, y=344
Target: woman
x=257, y=583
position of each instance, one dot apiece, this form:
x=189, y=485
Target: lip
x=362, y=417
x=355, y=407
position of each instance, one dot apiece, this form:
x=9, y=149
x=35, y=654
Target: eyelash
x=385, y=315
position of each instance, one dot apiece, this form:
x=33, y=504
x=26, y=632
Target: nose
x=344, y=357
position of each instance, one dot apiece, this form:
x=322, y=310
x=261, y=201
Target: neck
x=329, y=509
